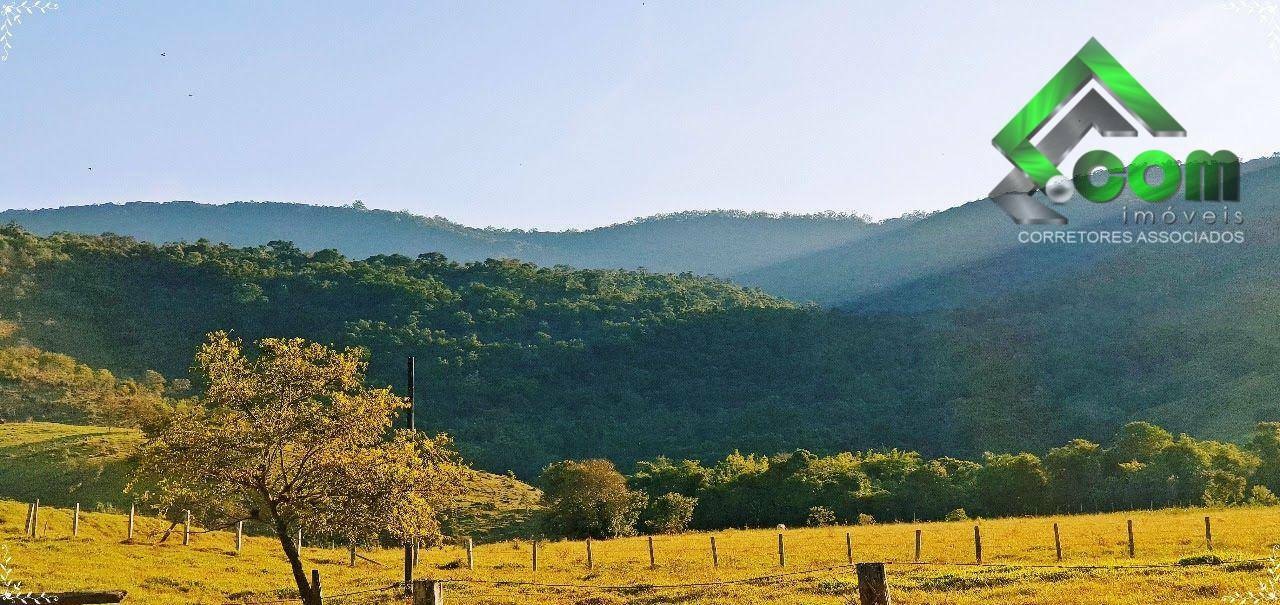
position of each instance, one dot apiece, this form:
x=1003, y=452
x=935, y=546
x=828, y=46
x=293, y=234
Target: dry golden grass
x=210, y=571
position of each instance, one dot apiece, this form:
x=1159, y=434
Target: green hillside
x=712, y=242
x=65, y=464
x=524, y=365
x=975, y=345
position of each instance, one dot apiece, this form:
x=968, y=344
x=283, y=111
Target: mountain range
x=939, y=333
x=705, y=243
x=833, y=259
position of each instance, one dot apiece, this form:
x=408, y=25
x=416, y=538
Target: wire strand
x=647, y=586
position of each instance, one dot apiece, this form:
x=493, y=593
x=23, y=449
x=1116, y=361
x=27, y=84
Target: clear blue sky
x=533, y=114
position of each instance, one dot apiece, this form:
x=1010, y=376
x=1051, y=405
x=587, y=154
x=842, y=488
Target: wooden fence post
x=782, y=552
x=35, y=519
x=471, y=554
x=848, y=546
x=1129, y=524
x=1208, y=534
x=590, y=562
x=872, y=587
x=186, y=529
x=27, y=530
x=919, y=539
x=75, y=521
x=351, y=553
x=315, y=586
x=653, y=562
x=428, y=592
x=715, y=556
x=535, y=555
x=1057, y=542
x=239, y=535
x=132, y=510
x=977, y=543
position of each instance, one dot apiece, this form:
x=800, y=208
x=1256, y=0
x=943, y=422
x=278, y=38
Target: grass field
x=63, y=464
x=210, y=571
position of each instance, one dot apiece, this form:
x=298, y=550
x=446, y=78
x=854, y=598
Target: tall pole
x=408, y=545
x=409, y=381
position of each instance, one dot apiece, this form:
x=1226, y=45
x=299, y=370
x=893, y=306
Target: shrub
x=589, y=499
x=958, y=514
x=669, y=513
x=820, y=516
x=1259, y=495
x=865, y=519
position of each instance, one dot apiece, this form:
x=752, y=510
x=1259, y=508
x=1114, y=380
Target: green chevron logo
x=1093, y=62
x=1210, y=176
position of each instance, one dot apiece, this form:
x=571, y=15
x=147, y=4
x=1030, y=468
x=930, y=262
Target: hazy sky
x=533, y=114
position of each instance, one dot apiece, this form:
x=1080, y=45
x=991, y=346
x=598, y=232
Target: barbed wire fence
x=730, y=551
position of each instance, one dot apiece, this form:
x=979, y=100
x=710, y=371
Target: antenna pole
x=408, y=545
x=409, y=383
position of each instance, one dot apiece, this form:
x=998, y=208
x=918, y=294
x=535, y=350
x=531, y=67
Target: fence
x=650, y=553
x=33, y=529
x=871, y=586
x=714, y=550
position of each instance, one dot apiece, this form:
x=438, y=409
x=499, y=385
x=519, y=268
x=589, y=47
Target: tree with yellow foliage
x=288, y=434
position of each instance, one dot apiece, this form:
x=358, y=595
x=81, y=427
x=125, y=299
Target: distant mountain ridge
x=956, y=258
x=701, y=242
x=970, y=254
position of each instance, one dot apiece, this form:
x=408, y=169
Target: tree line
x=1141, y=466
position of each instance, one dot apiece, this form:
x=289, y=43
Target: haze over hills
x=836, y=260
x=711, y=242
x=970, y=254
x=946, y=336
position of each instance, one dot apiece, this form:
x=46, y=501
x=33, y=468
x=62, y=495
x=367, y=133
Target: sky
x=554, y=115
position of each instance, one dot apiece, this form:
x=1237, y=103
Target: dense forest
x=523, y=364
x=526, y=365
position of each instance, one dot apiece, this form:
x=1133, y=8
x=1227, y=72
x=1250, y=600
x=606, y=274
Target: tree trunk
x=295, y=562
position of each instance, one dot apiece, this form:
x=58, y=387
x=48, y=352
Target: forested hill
x=523, y=364
x=714, y=242
x=528, y=364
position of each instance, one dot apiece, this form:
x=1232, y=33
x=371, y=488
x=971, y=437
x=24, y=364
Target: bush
x=669, y=513
x=820, y=516
x=1200, y=560
x=865, y=519
x=957, y=515
x=589, y=499
x=1259, y=495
